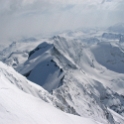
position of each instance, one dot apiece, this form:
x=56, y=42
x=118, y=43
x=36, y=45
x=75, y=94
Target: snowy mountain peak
x=80, y=78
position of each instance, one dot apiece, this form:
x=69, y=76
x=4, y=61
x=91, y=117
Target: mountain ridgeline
x=81, y=73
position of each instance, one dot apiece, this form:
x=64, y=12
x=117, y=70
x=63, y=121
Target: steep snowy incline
x=27, y=86
x=19, y=107
x=23, y=84
x=41, y=68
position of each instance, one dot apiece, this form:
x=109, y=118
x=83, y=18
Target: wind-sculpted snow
x=23, y=84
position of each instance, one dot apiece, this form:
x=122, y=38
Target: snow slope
x=18, y=107
x=119, y=119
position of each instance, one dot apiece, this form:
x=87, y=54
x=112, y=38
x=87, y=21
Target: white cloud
x=20, y=18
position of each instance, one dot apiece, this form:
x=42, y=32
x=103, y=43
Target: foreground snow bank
x=18, y=107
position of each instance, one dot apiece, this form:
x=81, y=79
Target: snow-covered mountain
x=83, y=73
x=18, y=107
x=18, y=51
x=118, y=28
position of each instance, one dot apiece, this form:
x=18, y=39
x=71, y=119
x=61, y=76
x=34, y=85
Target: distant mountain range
x=81, y=73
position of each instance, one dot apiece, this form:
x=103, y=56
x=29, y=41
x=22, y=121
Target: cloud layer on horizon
x=27, y=18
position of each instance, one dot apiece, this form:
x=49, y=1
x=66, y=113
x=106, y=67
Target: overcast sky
x=29, y=18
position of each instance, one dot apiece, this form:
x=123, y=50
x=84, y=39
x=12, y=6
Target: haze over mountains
x=41, y=18
x=61, y=62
